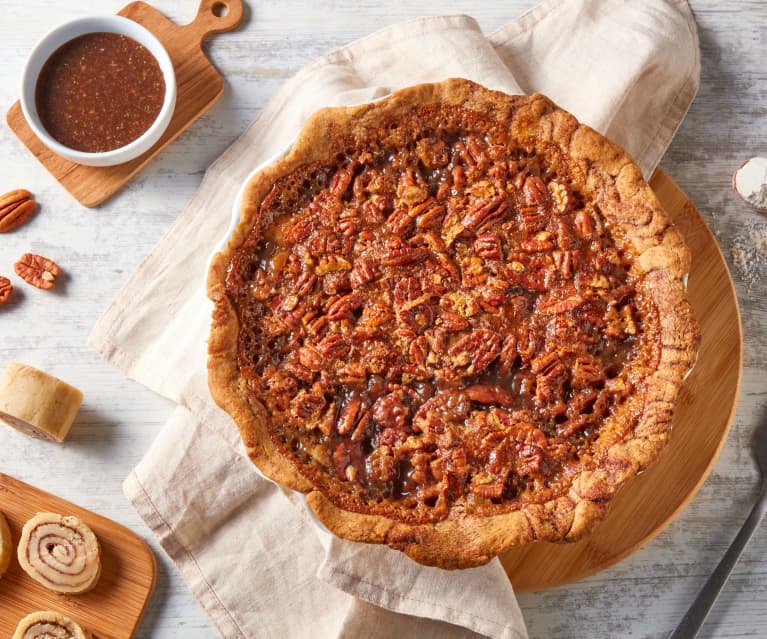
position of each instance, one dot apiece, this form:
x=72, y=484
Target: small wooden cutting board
x=704, y=412
x=199, y=86
x=113, y=608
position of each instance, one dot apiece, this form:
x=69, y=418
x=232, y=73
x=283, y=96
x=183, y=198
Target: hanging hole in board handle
x=216, y=16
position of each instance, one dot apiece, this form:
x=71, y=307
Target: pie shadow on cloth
x=248, y=549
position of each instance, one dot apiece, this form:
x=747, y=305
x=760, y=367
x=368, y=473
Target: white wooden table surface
x=643, y=596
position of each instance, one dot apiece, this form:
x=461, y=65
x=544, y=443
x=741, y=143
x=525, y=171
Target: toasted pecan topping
x=437, y=320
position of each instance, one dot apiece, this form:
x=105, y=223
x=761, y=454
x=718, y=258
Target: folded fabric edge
x=681, y=105
x=398, y=602
x=527, y=20
x=650, y=156
x=661, y=141
x=184, y=560
x=101, y=343
x=99, y=339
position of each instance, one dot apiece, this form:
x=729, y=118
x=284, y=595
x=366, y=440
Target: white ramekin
x=70, y=30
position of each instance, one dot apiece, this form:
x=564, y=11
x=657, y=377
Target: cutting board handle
x=216, y=16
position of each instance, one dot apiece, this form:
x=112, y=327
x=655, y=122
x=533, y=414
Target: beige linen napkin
x=248, y=550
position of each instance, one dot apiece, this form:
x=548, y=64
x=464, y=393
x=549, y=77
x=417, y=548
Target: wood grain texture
x=643, y=596
x=113, y=608
x=198, y=86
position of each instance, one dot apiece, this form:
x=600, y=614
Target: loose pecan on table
x=37, y=270
x=6, y=288
x=16, y=207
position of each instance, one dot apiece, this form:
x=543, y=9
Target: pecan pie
x=455, y=318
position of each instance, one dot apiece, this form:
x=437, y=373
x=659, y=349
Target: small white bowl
x=70, y=30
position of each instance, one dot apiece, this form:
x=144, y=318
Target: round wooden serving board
x=706, y=406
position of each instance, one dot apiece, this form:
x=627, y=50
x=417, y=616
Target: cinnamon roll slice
x=49, y=625
x=61, y=553
x=5, y=545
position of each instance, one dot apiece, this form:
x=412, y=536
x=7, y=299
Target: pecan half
x=476, y=350
x=350, y=414
x=353, y=375
x=390, y=412
x=406, y=290
x=364, y=271
x=489, y=491
x=37, y=270
x=16, y=207
x=491, y=395
x=486, y=213
x=400, y=223
x=403, y=256
x=488, y=246
x=341, y=307
x=533, y=219
x=419, y=350
x=6, y=288
x=430, y=215
x=334, y=346
x=451, y=321
x=535, y=191
x=307, y=406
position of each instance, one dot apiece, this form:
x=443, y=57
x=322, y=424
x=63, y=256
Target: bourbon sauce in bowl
x=99, y=92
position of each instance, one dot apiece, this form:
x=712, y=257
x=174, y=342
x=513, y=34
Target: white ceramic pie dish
x=237, y=204
x=325, y=535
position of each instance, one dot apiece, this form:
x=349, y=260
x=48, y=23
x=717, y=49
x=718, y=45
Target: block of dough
x=6, y=549
x=48, y=624
x=36, y=403
x=61, y=553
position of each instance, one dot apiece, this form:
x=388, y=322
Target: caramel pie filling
x=435, y=316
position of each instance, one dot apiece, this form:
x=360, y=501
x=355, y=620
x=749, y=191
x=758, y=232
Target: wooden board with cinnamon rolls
x=111, y=605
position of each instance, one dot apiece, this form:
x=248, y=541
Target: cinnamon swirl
x=61, y=553
x=49, y=625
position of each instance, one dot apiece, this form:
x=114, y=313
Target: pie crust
x=554, y=317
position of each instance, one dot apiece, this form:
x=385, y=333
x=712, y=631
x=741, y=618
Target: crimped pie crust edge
x=636, y=220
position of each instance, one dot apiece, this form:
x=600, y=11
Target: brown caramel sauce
x=99, y=92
